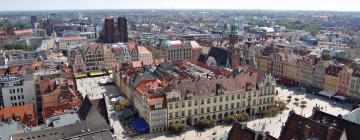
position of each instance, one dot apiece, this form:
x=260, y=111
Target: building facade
x=17, y=90
x=188, y=107
x=344, y=81
x=355, y=84
x=331, y=79
x=319, y=75
x=66, y=43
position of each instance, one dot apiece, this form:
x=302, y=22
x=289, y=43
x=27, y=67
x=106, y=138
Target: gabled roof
x=85, y=108
x=242, y=132
x=299, y=127
x=351, y=128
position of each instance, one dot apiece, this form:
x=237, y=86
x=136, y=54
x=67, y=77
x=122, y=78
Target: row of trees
x=17, y=47
x=275, y=109
x=17, y=25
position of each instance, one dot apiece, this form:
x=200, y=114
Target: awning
x=96, y=73
x=140, y=125
x=114, y=100
x=327, y=93
x=80, y=75
x=110, y=71
x=340, y=97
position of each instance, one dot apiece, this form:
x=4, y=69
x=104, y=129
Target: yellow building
x=263, y=64
x=331, y=82
x=331, y=79
x=291, y=71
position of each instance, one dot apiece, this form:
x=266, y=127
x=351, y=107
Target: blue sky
x=337, y=5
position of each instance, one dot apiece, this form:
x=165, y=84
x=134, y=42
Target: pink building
x=344, y=81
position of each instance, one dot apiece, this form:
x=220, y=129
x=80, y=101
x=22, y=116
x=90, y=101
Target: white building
x=66, y=43
x=17, y=90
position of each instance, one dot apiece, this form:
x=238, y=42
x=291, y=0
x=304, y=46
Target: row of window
x=39, y=136
x=17, y=104
x=18, y=97
x=18, y=90
x=226, y=107
x=211, y=100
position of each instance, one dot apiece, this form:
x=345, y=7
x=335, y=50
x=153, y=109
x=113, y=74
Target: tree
x=243, y=116
x=176, y=128
x=205, y=123
x=230, y=119
x=354, y=64
x=326, y=57
x=17, y=47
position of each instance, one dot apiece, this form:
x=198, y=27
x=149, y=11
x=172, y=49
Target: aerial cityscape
x=179, y=70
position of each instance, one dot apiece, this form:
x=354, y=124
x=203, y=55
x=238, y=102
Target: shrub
x=296, y=99
x=243, y=116
x=205, y=123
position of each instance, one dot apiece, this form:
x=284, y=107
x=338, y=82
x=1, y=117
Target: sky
x=332, y=5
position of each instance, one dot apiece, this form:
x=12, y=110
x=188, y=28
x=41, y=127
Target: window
x=254, y=102
x=183, y=104
x=243, y=103
x=202, y=110
x=226, y=106
x=189, y=103
x=182, y=113
x=18, y=90
x=10, y=91
x=214, y=99
x=176, y=105
x=176, y=114
x=226, y=97
x=238, y=96
x=208, y=109
x=202, y=101
x=22, y=96
x=189, y=112
x=238, y=104
x=208, y=100
x=272, y=99
x=170, y=115
x=171, y=105
x=220, y=107
x=195, y=111
x=214, y=108
x=232, y=97
x=13, y=90
x=221, y=98
x=196, y=102
x=232, y=105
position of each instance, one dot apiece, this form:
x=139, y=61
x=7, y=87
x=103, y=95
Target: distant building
x=33, y=22
x=331, y=81
x=109, y=30
x=122, y=26
x=176, y=50
x=19, y=57
x=24, y=115
x=66, y=43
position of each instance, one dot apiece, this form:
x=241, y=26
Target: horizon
x=277, y=5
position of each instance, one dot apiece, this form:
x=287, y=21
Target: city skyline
x=324, y=5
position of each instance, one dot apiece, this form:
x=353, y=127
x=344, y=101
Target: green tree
x=17, y=47
x=243, y=116
x=326, y=57
x=205, y=123
x=177, y=128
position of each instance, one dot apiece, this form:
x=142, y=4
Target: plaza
x=90, y=87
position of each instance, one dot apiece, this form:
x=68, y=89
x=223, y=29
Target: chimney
x=256, y=135
x=306, y=131
x=330, y=133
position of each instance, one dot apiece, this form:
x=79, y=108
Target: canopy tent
x=342, y=98
x=140, y=125
x=114, y=100
x=327, y=93
x=119, y=98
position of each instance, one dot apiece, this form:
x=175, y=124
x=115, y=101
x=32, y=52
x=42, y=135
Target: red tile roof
x=26, y=114
x=241, y=132
x=27, y=32
x=70, y=38
x=299, y=127
x=49, y=111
